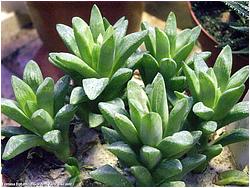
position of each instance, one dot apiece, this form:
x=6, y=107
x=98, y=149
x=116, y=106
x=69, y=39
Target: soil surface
x=217, y=18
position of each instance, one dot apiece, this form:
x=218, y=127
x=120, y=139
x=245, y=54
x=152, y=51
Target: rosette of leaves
x=167, y=49
x=149, y=140
x=40, y=110
x=215, y=94
x=97, y=60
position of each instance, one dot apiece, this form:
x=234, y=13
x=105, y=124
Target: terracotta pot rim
x=198, y=23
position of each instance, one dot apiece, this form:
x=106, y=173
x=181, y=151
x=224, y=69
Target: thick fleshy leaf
x=183, y=53
x=95, y=120
x=151, y=129
x=60, y=91
x=72, y=63
x=42, y=121
x=150, y=67
x=30, y=108
x=192, y=80
x=167, y=68
x=207, y=90
x=178, y=83
x=226, y=102
x=135, y=113
x=109, y=109
x=222, y=67
x=117, y=83
x=96, y=22
x=53, y=137
x=196, y=136
x=135, y=92
x=167, y=169
x=162, y=45
x=106, y=60
x=20, y=143
x=199, y=64
x=142, y=176
x=78, y=96
x=177, y=117
x=110, y=177
x=32, y=75
x=64, y=116
x=134, y=61
x=176, y=145
x=182, y=38
x=110, y=135
x=238, y=112
x=203, y=111
x=127, y=47
x=67, y=35
x=45, y=96
x=10, y=108
x=171, y=31
x=239, y=77
x=124, y=153
x=10, y=131
x=233, y=136
x=96, y=55
x=83, y=39
x=203, y=55
x=150, y=156
x=173, y=184
x=158, y=99
x=232, y=177
x=150, y=38
x=208, y=127
x=195, y=34
x=93, y=87
x=22, y=91
x=127, y=129
x=120, y=30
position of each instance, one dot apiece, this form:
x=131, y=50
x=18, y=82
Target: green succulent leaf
x=127, y=47
x=93, y=87
x=222, y=67
x=173, y=184
x=60, y=91
x=167, y=169
x=238, y=112
x=238, y=78
x=226, y=102
x=135, y=113
x=20, y=143
x=22, y=91
x=168, y=68
x=10, y=108
x=42, y=121
x=195, y=34
x=158, y=99
x=142, y=176
x=162, y=45
x=10, y=131
x=178, y=83
x=67, y=35
x=150, y=67
x=124, y=153
x=177, y=117
x=96, y=22
x=95, y=120
x=127, y=129
x=199, y=64
x=183, y=53
x=171, y=31
x=150, y=156
x=53, y=137
x=203, y=111
x=151, y=129
x=233, y=136
x=150, y=40
x=208, y=127
x=120, y=30
x=110, y=135
x=78, y=96
x=176, y=145
x=110, y=177
x=32, y=75
x=30, y=108
x=45, y=96
x=182, y=38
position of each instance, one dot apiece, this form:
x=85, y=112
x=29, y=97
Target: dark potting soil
x=216, y=18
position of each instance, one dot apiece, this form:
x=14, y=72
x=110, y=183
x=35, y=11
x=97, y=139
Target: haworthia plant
x=149, y=140
x=97, y=61
x=41, y=111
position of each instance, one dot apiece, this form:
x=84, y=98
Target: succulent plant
x=149, y=140
x=215, y=94
x=167, y=50
x=41, y=112
x=97, y=61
